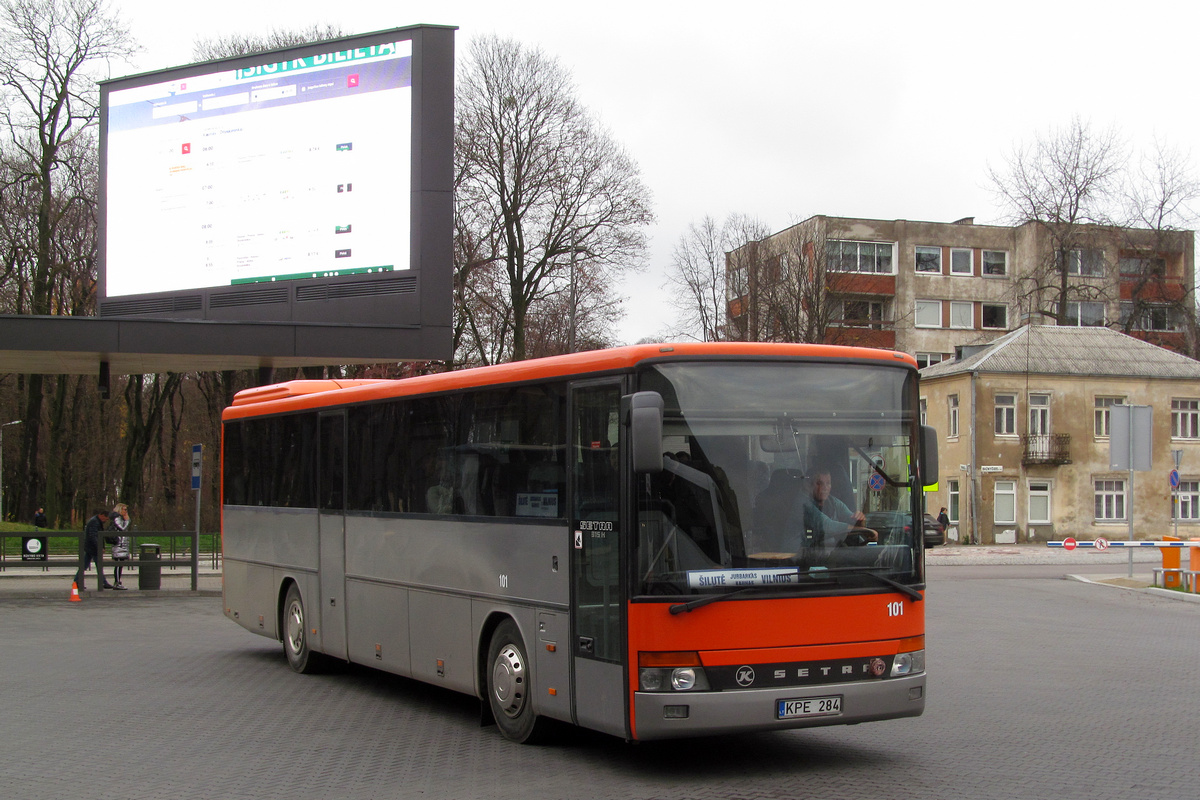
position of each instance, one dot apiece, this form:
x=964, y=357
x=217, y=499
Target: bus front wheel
x=509, y=686
x=300, y=656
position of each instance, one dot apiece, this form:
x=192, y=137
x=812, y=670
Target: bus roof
x=310, y=394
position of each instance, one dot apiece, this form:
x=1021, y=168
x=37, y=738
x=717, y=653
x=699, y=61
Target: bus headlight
x=671, y=672
x=908, y=663
x=678, y=679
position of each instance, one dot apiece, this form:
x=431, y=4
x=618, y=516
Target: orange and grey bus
x=651, y=541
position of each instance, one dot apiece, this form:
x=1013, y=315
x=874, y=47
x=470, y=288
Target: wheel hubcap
x=295, y=627
x=508, y=680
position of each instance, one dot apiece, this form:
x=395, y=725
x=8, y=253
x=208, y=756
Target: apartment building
x=1024, y=429
x=926, y=287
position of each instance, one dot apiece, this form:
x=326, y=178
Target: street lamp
x=2, y=427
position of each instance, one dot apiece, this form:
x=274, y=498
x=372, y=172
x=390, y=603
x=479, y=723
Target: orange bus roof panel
x=306, y=395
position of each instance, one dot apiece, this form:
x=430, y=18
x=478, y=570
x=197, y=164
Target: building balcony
x=1046, y=448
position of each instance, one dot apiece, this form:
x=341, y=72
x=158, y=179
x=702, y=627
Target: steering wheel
x=858, y=537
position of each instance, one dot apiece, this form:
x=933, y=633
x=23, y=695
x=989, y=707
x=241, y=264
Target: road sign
x=197, y=457
x=1130, y=437
x=1069, y=543
x=876, y=482
x=1101, y=543
x=1174, y=479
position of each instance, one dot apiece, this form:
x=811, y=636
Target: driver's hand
x=859, y=518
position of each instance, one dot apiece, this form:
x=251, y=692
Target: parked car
x=894, y=527
x=935, y=532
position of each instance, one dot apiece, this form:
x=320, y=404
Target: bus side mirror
x=928, y=464
x=646, y=431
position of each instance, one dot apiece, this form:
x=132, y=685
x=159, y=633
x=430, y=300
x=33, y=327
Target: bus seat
x=772, y=508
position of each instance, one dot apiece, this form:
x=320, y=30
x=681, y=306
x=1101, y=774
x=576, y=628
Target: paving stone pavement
x=1038, y=688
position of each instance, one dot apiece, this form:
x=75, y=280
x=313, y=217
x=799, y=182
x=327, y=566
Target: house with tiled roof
x=1024, y=428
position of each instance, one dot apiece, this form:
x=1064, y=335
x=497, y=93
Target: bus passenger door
x=598, y=677
x=331, y=485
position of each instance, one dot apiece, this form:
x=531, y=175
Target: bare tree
x=556, y=191
x=49, y=50
x=1159, y=192
x=711, y=268
x=1066, y=182
x=241, y=44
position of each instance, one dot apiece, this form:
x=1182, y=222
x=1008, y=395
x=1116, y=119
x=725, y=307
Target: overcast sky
x=783, y=110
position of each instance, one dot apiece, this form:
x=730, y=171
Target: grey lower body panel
x=711, y=713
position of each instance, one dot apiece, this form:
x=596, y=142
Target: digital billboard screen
x=247, y=188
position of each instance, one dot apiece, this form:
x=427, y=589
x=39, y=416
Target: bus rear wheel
x=300, y=656
x=509, y=687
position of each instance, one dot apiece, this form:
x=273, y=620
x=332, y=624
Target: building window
x=928, y=314
x=859, y=256
x=1039, y=414
x=954, y=500
x=995, y=316
x=929, y=259
x=1103, y=404
x=1110, y=500
x=928, y=359
x=1185, y=419
x=1006, y=415
x=1088, y=263
x=1149, y=267
x=1039, y=502
x=1085, y=315
x=995, y=263
x=1150, y=318
x=961, y=261
x=924, y=411
x=952, y=402
x=862, y=314
x=1005, y=509
x=1189, y=500
x=962, y=315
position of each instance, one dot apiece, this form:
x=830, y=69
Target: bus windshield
x=789, y=476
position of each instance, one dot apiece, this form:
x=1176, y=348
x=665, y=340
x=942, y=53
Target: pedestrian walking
x=91, y=548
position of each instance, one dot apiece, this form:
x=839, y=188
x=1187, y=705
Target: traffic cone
x=75, y=598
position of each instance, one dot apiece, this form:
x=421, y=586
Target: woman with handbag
x=120, y=548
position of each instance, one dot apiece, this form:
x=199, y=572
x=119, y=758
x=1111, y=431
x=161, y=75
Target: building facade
x=1024, y=428
x=927, y=288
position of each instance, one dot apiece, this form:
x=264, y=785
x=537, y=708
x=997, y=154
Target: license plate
x=809, y=707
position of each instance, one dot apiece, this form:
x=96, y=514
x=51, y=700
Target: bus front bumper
x=661, y=715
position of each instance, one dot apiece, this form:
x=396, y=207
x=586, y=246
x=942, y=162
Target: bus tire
x=509, y=685
x=300, y=656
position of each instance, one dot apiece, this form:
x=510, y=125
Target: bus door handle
x=587, y=645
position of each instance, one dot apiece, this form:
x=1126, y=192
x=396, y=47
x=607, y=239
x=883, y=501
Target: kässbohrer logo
x=745, y=676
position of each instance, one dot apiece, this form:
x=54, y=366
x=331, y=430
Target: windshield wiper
x=900, y=587
x=679, y=608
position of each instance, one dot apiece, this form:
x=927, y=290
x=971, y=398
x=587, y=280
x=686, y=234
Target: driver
x=824, y=520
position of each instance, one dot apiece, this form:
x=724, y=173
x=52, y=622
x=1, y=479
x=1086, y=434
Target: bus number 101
x=895, y=609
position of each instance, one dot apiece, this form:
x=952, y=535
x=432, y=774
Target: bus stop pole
x=197, y=460
x=1129, y=510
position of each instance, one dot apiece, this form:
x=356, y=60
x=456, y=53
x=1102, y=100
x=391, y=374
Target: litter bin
x=149, y=566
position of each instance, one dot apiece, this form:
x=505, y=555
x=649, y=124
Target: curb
x=1154, y=590
x=140, y=597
